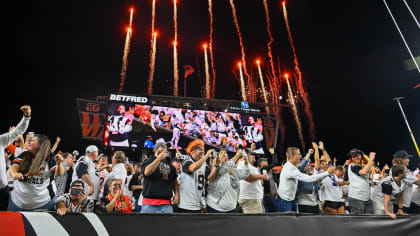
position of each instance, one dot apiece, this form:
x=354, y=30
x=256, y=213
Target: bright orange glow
x=129, y=29
x=205, y=45
x=286, y=75
x=174, y=43
x=239, y=64
x=155, y=34
x=132, y=10
x=284, y=2
x=258, y=61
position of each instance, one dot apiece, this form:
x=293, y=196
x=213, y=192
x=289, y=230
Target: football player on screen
x=119, y=126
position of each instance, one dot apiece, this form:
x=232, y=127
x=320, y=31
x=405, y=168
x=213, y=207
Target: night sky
x=350, y=53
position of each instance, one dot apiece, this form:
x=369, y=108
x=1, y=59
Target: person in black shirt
x=160, y=182
x=136, y=185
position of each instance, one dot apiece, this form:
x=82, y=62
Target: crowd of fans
x=34, y=176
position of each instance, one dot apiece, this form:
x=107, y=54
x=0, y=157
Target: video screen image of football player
x=253, y=133
x=119, y=126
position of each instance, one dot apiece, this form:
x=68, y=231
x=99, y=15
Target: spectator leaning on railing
x=74, y=201
x=5, y=140
x=85, y=170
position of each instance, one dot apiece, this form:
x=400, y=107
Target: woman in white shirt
x=32, y=171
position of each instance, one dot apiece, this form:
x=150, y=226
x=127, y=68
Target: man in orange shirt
x=116, y=201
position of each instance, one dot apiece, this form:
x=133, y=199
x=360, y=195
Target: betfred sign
x=126, y=98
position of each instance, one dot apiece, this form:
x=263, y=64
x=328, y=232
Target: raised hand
x=26, y=109
x=321, y=146
x=372, y=156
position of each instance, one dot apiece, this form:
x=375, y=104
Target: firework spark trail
x=241, y=76
x=262, y=82
x=274, y=85
x=125, y=59
x=213, y=68
x=235, y=20
x=152, y=53
x=300, y=86
x=295, y=112
x=206, y=62
x=152, y=65
x=252, y=89
x=153, y=15
x=176, y=74
x=131, y=17
x=270, y=54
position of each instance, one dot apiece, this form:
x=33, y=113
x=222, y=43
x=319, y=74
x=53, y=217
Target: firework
x=299, y=81
x=292, y=102
x=270, y=54
x=125, y=59
x=262, y=81
x=206, y=62
x=152, y=53
x=241, y=76
x=213, y=68
x=152, y=65
x=235, y=20
x=176, y=74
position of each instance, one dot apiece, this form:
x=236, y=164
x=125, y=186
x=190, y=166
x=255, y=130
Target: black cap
x=261, y=160
x=355, y=151
x=402, y=154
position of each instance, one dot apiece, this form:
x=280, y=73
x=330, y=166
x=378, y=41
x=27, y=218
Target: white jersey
x=192, y=187
x=330, y=189
x=410, y=178
x=5, y=140
x=32, y=192
x=250, y=190
x=359, y=187
x=396, y=190
x=103, y=175
x=92, y=171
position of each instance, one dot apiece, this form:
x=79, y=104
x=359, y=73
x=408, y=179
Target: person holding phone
x=160, y=184
x=74, y=201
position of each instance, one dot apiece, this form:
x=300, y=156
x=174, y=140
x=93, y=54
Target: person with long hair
x=5, y=140
x=359, y=187
x=31, y=172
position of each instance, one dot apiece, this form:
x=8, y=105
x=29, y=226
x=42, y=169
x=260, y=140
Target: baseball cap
x=355, y=151
x=402, y=154
x=261, y=160
x=100, y=156
x=159, y=144
x=92, y=148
